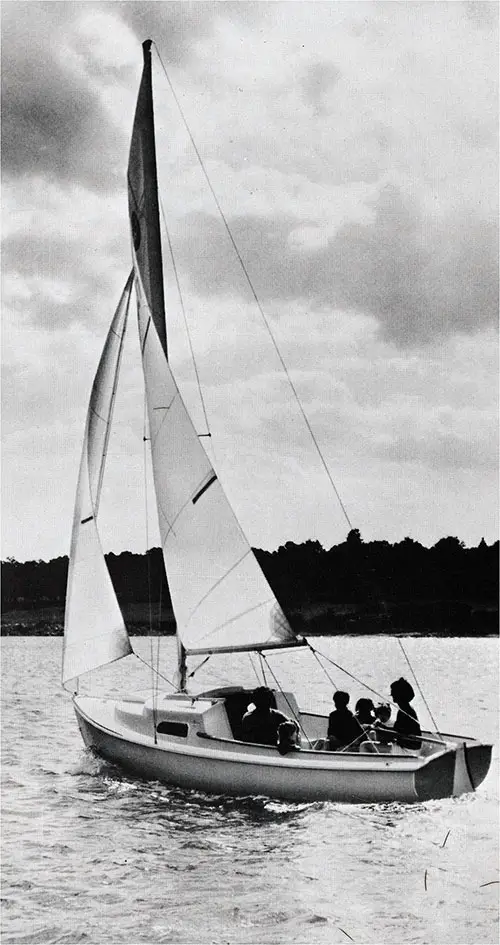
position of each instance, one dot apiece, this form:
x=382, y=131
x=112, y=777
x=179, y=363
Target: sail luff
x=94, y=629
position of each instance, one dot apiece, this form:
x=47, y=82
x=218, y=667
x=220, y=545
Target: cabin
x=216, y=713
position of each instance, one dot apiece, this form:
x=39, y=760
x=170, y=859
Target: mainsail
x=220, y=596
x=94, y=631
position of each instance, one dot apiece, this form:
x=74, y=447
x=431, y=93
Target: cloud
x=353, y=148
x=318, y=80
x=63, y=252
x=53, y=123
x=365, y=397
x=361, y=175
x=175, y=27
x=420, y=281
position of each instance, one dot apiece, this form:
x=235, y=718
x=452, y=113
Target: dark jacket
x=261, y=726
x=407, y=728
x=344, y=728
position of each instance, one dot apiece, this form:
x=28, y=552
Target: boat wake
x=159, y=797
x=93, y=766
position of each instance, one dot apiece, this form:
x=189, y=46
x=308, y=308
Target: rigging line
x=365, y=685
x=148, y=565
x=346, y=671
x=252, y=664
x=374, y=584
x=169, y=681
x=158, y=639
x=262, y=668
x=327, y=674
x=199, y=666
x=252, y=289
x=186, y=325
x=355, y=741
x=290, y=706
x=157, y=668
x=436, y=729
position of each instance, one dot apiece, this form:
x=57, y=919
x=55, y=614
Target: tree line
x=353, y=587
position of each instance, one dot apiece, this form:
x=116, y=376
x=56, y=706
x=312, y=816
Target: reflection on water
x=92, y=855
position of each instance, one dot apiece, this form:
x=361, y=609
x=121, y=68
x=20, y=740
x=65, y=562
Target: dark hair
x=287, y=737
x=263, y=698
x=402, y=690
x=383, y=709
x=364, y=705
x=341, y=698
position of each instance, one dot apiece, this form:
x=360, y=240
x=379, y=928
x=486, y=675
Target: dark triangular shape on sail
x=143, y=200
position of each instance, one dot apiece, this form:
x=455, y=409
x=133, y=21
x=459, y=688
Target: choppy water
x=92, y=856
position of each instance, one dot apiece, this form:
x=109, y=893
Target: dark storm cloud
x=419, y=281
x=52, y=123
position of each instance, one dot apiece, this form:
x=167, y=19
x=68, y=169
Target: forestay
x=220, y=596
x=94, y=631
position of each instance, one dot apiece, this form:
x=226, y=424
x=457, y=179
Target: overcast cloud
x=353, y=149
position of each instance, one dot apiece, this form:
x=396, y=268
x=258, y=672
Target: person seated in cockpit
x=261, y=724
x=288, y=738
x=343, y=729
x=406, y=726
x=383, y=731
x=365, y=713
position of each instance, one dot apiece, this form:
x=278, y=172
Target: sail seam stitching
x=166, y=409
x=217, y=583
x=242, y=613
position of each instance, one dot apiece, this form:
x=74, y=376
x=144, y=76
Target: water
x=90, y=855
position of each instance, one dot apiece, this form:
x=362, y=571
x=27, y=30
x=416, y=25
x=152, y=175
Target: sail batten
x=220, y=597
x=94, y=630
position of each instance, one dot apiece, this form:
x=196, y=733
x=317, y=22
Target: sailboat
x=221, y=599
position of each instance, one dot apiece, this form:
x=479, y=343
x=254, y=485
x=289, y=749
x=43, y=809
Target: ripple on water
x=91, y=855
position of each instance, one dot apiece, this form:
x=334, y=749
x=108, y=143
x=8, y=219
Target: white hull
x=123, y=734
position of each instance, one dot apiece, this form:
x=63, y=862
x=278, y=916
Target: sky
x=353, y=148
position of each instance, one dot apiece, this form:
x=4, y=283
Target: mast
x=145, y=227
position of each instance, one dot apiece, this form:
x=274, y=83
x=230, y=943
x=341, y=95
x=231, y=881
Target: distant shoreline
x=355, y=589
x=49, y=622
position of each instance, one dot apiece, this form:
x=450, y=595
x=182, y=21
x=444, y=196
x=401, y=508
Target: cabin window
x=173, y=728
